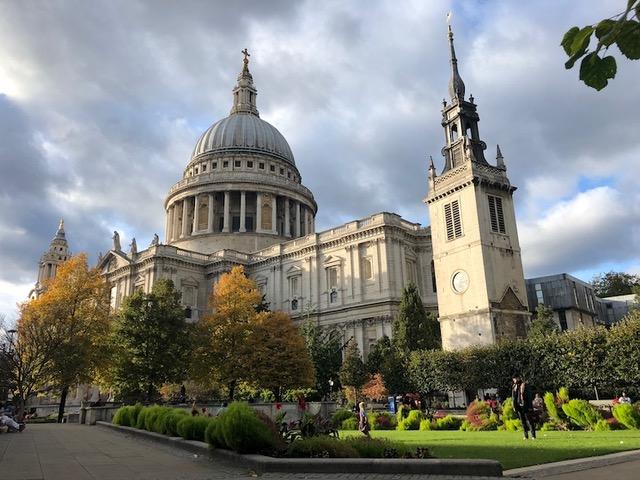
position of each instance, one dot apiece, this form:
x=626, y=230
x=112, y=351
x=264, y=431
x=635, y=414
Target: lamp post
x=330, y=388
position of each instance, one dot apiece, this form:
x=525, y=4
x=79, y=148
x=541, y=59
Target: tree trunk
x=63, y=402
x=232, y=390
x=149, y=392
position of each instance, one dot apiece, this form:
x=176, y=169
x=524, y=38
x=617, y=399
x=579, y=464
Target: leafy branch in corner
x=596, y=67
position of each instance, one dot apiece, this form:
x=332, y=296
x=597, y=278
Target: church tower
x=480, y=283
x=57, y=253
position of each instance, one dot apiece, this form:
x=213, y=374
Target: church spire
x=456, y=85
x=244, y=93
x=60, y=232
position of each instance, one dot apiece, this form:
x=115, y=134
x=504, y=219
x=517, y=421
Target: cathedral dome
x=243, y=132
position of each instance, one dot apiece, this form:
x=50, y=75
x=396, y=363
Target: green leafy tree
x=380, y=350
x=151, y=342
x=383, y=358
x=325, y=349
x=596, y=67
x=414, y=328
x=623, y=353
x=543, y=323
x=612, y=283
x=352, y=373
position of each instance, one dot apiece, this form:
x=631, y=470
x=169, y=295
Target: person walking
x=363, y=423
x=523, y=405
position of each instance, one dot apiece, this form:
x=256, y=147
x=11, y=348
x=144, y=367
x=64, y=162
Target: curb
x=263, y=464
x=575, y=465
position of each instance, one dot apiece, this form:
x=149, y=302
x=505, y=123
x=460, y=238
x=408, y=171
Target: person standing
x=363, y=423
x=523, y=405
x=624, y=398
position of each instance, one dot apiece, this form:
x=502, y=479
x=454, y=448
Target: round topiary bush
x=349, y=424
x=123, y=416
x=243, y=432
x=169, y=425
x=340, y=416
x=193, y=428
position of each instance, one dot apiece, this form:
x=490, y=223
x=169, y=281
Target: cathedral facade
x=241, y=201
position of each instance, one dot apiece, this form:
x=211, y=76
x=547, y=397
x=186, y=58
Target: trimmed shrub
x=508, y=412
x=321, y=447
x=212, y=434
x=382, y=448
x=448, y=423
x=123, y=416
x=243, y=432
x=150, y=417
x=382, y=421
x=602, y=426
x=158, y=425
x=170, y=421
x=582, y=413
x=141, y=419
x=628, y=415
x=349, y=424
x=192, y=428
x=426, y=425
x=412, y=422
x=480, y=417
x=340, y=416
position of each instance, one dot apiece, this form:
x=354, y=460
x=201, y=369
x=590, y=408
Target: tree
x=543, y=323
x=374, y=389
x=352, y=372
x=279, y=356
x=325, y=349
x=151, y=342
x=620, y=29
x=71, y=319
x=221, y=352
x=380, y=350
x=414, y=328
x=623, y=354
x=613, y=283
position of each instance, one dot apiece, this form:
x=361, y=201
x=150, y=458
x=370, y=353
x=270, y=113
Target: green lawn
x=511, y=450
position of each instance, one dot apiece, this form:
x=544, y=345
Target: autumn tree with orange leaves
x=61, y=333
x=237, y=344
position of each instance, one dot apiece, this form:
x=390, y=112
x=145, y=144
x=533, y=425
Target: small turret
x=57, y=253
x=244, y=93
x=500, y=159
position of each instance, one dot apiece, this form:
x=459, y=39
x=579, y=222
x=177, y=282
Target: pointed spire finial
x=500, y=158
x=456, y=85
x=431, y=165
x=60, y=232
x=61, y=224
x=244, y=93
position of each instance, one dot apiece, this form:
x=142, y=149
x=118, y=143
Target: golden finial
x=246, y=56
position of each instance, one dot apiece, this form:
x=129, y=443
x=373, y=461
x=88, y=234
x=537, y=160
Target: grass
x=510, y=449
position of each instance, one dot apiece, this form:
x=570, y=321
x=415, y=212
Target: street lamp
x=330, y=388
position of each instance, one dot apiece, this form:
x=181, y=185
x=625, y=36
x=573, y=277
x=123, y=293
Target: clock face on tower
x=460, y=281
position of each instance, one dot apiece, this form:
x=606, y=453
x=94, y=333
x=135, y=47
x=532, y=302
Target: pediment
x=294, y=270
x=189, y=282
x=332, y=261
x=113, y=260
x=510, y=301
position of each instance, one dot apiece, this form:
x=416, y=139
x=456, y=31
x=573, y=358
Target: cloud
x=101, y=104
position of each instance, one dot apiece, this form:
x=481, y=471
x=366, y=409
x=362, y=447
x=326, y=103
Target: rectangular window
x=261, y=165
x=294, y=287
x=539, y=294
x=204, y=168
x=235, y=223
x=237, y=163
x=562, y=316
x=214, y=165
x=196, y=170
x=282, y=171
x=250, y=164
x=225, y=164
x=453, y=220
x=332, y=278
x=367, y=270
x=496, y=214
x=272, y=168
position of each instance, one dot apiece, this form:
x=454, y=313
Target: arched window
x=454, y=132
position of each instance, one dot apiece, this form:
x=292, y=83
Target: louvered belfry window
x=453, y=220
x=496, y=214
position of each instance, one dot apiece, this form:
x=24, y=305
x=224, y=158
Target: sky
x=101, y=103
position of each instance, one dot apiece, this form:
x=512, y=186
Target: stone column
x=287, y=219
x=176, y=226
x=312, y=225
x=210, y=216
x=274, y=214
x=227, y=209
x=243, y=211
x=306, y=221
x=196, y=219
x=259, y=212
x=185, y=216
x=169, y=232
x=297, y=229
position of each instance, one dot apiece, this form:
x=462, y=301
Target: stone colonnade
x=238, y=211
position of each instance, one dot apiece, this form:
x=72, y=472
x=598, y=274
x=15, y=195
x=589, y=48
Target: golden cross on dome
x=246, y=56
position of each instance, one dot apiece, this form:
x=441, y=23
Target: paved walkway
x=78, y=452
